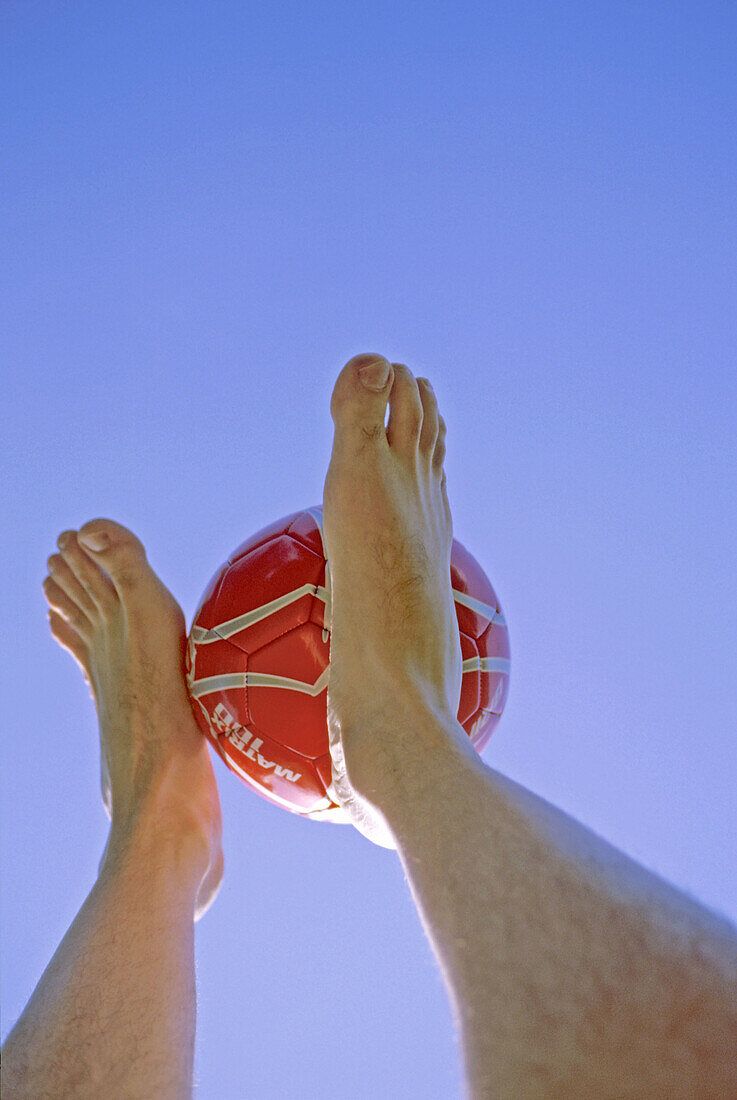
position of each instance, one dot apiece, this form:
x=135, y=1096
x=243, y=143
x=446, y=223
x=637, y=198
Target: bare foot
x=395, y=650
x=128, y=635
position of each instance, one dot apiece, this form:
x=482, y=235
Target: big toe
x=359, y=401
x=120, y=553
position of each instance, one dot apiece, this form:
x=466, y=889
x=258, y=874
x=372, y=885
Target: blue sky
x=208, y=209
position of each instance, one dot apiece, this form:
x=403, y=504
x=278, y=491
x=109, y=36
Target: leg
x=573, y=971
x=114, y=1013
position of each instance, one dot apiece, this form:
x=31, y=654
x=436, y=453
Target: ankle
x=403, y=761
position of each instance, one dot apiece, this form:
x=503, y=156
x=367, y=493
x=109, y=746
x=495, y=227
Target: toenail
x=63, y=540
x=95, y=540
x=52, y=563
x=374, y=375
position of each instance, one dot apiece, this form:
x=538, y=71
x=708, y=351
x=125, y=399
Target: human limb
x=572, y=971
x=556, y=950
x=114, y=1012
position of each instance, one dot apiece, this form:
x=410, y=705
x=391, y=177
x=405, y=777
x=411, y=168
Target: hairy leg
x=573, y=971
x=114, y=1013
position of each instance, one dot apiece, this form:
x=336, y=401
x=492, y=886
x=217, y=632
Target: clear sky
x=208, y=208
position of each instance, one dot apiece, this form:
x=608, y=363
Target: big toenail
x=374, y=375
x=94, y=540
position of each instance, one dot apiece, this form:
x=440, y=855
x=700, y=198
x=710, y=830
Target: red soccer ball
x=259, y=653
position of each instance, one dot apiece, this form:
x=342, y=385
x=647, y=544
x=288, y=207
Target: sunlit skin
x=394, y=649
x=572, y=971
x=127, y=633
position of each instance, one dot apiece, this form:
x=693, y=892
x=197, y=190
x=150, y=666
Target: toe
x=81, y=577
x=405, y=412
x=70, y=609
x=429, y=433
x=65, y=579
x=120, y=553
x=354, y=407
x=69, y=639
x=438, y=457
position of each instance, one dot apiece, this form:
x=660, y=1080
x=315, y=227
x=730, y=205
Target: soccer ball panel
x=207, y=607
x=495, y=684
x=481, y=729
x=324, y=769
x=264, y=535
x=290, y=699
x=269, y=591
x=304, y=529
x=469, y=701
x=285, y=778
x=468, y=578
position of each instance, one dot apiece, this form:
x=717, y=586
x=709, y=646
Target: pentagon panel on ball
x=258, y=661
